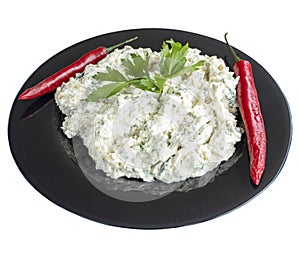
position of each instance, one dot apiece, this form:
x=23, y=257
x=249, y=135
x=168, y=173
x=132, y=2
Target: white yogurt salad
x=167, y=115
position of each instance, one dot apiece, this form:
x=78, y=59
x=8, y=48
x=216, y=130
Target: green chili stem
x=231, y=49
x=109, y=49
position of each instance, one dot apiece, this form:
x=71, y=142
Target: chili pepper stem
x=109, y=49
x=231, y=49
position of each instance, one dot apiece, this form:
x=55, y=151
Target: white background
x=33, y=31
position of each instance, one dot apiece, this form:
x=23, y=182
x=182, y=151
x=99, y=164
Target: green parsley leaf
x=111, y=76
x=173, y=59
x=187, y=69
x=148, y=84
x=137, y=67
x=172, y=64
x=106, y=91
x=160, y=82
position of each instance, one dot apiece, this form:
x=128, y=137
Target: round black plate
x=44, y=162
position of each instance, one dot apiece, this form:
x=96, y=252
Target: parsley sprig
x=136, y=69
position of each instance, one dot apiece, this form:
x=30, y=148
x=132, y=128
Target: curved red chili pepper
x=249, y=107
x=54, y=81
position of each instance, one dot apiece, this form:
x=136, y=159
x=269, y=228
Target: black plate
x=44, y=162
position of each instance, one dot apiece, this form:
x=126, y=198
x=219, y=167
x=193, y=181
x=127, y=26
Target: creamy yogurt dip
x=183, y=132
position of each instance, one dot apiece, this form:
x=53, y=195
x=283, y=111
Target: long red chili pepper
x=251, y=115
x=54, y=81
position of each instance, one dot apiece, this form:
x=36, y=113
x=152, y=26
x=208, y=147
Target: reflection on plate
x=71, y=182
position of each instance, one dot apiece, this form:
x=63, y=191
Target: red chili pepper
x=251, y=115
x=54, y=81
